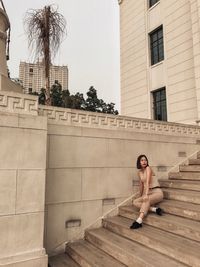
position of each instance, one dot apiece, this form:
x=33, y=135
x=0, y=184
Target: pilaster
x=195, y=20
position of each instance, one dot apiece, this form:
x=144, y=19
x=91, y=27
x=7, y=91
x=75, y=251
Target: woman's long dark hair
x=138, y=161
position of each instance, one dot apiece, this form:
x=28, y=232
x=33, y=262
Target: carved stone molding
x=3, y=35
x=18, y=103
x=98, y=120
x=5, y=23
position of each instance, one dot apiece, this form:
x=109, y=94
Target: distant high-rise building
x=32, y=76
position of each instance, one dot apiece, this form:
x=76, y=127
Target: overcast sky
x=91, y=48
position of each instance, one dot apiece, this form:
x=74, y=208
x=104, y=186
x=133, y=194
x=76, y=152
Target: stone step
x=87, y=255
x=170, y=223
x=129, y=252
x=180, y=208
x=184, y=175
x=189, y=168
x=176, y=247
x=182, y=195
x=194, y=161
x=62, y=260
x=180, y=184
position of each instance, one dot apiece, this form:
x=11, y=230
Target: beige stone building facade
x=160, y=59
x=32, y=76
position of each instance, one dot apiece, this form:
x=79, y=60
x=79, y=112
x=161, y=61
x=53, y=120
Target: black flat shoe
x=135, y=225
x=159, y=211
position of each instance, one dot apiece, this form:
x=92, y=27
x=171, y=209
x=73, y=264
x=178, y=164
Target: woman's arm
x=149, y=175
x=141, y=185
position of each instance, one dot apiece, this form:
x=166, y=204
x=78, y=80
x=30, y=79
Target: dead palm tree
x=45, y=29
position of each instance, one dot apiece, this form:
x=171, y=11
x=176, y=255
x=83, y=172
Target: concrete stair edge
x=87, y=255
x=171, y=223
x=132, y=253
x=180, y=184
x=62, y=260
x=194, y=176
x=182, y=195
x=151, y=237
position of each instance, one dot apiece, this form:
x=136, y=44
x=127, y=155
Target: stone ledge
x=22, y=121
x=18, y=103
x=31, y=255
x=64, y=116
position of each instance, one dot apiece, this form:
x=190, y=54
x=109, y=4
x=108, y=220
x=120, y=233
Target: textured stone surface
x=21, y=233
x=62, y=180
x=30, y=146
x=7, y=191
x=30, y=191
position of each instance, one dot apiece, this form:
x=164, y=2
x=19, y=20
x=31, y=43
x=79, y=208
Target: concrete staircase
x=171, y=240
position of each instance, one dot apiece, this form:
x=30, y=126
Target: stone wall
x=91, y=164
x=23, y=137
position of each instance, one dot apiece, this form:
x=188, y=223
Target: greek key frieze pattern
x=99, y=120
x=19, y=104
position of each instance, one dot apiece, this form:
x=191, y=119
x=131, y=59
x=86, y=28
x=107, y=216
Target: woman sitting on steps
x=150, y=192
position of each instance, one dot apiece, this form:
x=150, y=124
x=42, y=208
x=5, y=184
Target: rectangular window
x=31, y=70
x=156, y=45
x=152, y=2
x=160, y=104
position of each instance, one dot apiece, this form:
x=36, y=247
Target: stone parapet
x=18, y=103
x=75, y=117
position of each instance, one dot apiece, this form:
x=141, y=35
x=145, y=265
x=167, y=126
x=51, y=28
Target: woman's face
x=143, y=162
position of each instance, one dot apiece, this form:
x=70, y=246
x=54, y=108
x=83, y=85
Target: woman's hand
x=145, y=197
